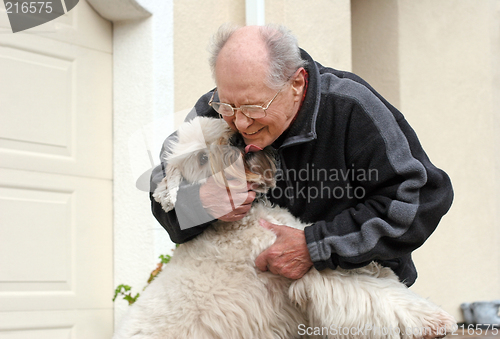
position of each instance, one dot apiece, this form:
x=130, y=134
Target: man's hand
x=288, y=256
x=225, y=206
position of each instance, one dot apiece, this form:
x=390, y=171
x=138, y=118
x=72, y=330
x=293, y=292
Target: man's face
x=247, y=87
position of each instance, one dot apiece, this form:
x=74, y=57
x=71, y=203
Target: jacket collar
x=303, y=128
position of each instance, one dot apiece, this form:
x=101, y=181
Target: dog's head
x=208, y=147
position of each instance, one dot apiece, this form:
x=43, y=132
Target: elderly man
x=348, y=162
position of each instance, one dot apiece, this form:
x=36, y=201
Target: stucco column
x=142, y=118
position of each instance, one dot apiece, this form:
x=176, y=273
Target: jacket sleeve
x=402, y=205
x=188, y=218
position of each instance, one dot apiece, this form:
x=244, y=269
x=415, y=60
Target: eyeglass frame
x=244, y=106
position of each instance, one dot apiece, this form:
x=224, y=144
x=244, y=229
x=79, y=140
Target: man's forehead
x=242, y=57
x=241, y=73
x=244, y=49
x=242, y=65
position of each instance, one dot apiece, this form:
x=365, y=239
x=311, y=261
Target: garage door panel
x=95, y=324
x=81, y=26
x=57, y=230
x=30, y=216
x=56, y=114
x=39, y=94
x=56, y=268
x=43, y=333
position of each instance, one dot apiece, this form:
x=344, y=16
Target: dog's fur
x=212, y=289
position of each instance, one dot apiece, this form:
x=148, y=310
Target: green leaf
x=119, y=289
x=123, y=289
x=165, y=258
x=131, y=299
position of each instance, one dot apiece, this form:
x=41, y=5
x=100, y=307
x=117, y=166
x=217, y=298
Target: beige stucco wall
x=437, y=61
x=442, y=70
x=322, y=27
x=194, y=24
x=375, y=52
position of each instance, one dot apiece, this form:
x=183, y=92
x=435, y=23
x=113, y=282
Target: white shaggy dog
x=212, y=289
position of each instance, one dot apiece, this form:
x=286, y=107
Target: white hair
x=282, y=47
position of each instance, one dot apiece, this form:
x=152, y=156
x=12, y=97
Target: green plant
x=122, y=290
x=125, y=290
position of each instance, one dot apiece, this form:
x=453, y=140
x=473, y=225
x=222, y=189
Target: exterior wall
x=142, y=117
x=375, y=41
x=192, y=32
x=323, y=28
x=445, y=79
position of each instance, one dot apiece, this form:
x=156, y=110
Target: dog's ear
x=261, y=169
x=166, y=192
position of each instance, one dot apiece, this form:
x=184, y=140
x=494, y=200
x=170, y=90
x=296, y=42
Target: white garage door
x=56, y=178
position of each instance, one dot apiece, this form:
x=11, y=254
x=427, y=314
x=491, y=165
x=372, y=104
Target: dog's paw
x=165, y=196
x=438, y=326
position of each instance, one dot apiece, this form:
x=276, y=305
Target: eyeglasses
x=250, y=111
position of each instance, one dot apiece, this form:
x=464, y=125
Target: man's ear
x=299, y=82
x=166, y=192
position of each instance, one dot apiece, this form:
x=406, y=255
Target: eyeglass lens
x=252, y=112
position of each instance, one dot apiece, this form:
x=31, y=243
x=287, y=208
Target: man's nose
x=241, y=121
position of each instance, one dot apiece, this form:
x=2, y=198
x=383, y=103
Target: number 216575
x=28, y=7
x=478, y=329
